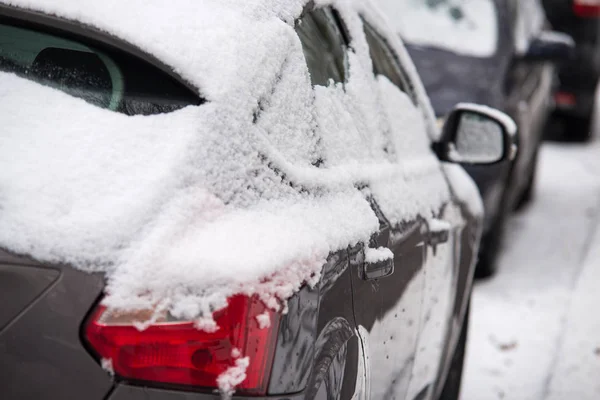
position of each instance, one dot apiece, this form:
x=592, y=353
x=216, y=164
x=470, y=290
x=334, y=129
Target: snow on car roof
x=186, y=208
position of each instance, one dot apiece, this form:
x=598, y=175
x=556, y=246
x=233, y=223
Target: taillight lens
x=586, y=8
x=178, y=353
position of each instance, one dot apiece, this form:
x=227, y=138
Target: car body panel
x=43, y=340
x=389, y=309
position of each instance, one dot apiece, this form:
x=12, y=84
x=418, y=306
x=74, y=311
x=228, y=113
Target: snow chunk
x=231, y=378
x=264, y=320
x=378, y=255
x=107, y=365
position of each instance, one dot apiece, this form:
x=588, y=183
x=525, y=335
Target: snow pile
x=469, y=28
x=235, y=375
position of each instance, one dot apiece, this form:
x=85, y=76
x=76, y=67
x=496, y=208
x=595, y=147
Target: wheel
x=527, y=194
x=579, y=129
x=490, y=247
x=569, y=128
x=451, y=390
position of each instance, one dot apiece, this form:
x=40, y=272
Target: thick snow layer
x=534, y=326
x=186, y=208
x=469, y=28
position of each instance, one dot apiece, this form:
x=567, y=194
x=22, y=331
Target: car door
x=426, y=247
x=410, y=207
x=387, y=293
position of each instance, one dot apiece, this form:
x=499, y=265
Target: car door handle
x=438, y=232
x=379, y=263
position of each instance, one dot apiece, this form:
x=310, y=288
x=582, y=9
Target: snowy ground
x=535, y=327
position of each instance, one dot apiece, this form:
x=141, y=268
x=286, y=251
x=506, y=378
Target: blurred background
x=535, y=323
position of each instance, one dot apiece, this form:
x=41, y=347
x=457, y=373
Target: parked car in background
x=574, y=97
x=493, y=52
x=219, y=204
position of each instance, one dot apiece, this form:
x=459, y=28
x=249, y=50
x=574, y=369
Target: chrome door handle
x=379, y=263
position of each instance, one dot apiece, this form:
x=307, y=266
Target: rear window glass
x=108, y=79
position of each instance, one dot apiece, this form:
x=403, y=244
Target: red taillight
x=586, y=8
x=179, y=353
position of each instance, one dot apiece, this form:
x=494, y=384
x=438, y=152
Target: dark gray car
x=386, y=317
x=515, y=81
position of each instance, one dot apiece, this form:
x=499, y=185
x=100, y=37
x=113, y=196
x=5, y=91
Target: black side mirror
x=551, y=47
x=476, y=134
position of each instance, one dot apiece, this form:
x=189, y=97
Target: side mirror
x=476, y=134
x=551, y=46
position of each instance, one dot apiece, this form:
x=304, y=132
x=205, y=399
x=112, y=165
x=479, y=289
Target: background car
x=493, y=52
x=385, y=316
x=577, y=78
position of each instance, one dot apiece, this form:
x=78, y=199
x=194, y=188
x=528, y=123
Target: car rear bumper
x=128, y=392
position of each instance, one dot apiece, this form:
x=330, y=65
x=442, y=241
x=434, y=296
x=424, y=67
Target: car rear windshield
x=109, y=79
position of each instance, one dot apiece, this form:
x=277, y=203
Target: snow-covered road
x=535, y=327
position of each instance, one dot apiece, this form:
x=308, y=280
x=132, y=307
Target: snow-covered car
x=230, y=197
x=492, y=52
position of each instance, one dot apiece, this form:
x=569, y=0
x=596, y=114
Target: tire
x=451, y=390
x=569, y=128
x=580, y=129
x=491, y=243
x=527, y=194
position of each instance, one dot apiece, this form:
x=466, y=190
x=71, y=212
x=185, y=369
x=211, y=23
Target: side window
x=407, y=129
x=323, y=46
x=384, y=62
